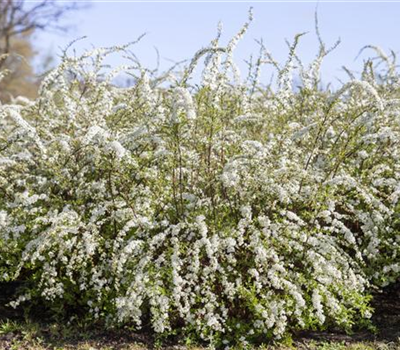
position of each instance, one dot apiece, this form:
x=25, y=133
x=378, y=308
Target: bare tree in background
x=19, y=19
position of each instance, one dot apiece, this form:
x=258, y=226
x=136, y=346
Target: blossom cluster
x=225, y=209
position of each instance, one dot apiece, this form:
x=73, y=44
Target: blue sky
x=178, y=30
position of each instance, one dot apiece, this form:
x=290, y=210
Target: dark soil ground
x=20, y=332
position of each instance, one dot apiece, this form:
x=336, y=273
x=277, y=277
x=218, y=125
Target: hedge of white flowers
x=222, y=208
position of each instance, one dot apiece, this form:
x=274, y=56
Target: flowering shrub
x=227, y=209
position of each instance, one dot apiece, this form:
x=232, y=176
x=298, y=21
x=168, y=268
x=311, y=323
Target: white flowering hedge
x=225, y=209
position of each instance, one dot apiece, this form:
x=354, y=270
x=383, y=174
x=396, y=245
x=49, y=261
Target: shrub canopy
x=227, y=209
